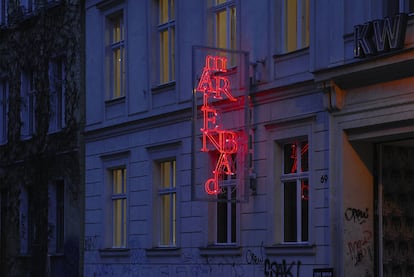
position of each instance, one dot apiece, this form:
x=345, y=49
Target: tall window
x=295, y=24
x=119, y=207
x=115, y=55
x=3, y=12
x=166, y=30
x=4, y=93
x=295, y=183
x=56, y=219
x=167, y=194
x=398, y=6
x=224, y=23
x=27, y=91
x=57, y=95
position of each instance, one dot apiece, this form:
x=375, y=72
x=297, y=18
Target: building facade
x=249, y=138
x=41, y=150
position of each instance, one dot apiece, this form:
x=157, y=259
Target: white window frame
x=168, y=26
x=302, y=23
x=27, y=112
x=4, y=108
x=170, y=191
x=110, y=48
x=109, y=163
x=217, y=8
x=119, y=197
x=296, y=177
x=57, y=95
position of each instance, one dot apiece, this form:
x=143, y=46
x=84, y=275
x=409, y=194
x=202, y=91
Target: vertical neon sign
x=215, y=85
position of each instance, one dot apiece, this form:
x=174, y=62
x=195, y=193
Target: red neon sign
x=214, y=84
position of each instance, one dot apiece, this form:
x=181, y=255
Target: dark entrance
x=395, y=209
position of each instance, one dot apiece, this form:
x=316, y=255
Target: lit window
x=4, y=94
x=27, y=114
x=57, y=95
x=119, y=207
x=224, y=24
x=167, y=193
x=115, y=56
x=296, y=24
x=295, y=183
x=166, y=30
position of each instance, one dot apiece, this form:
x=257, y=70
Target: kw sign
x=380, y=36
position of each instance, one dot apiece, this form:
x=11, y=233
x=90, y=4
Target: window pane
x=118, y=32
x=119, y=222
x=163, y=11
x=305, y=23
x=221, y=29
x=172, y=58
x=166, y=220
x=290, y=220
x=289, y=158
x=305, y=209
x=119, y=181
x=291, y=21
x=164, y=56
x=304, y=156
x=172, y=9
x=222, y=218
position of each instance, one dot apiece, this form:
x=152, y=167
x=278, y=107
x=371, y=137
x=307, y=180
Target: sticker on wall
x=221, y=124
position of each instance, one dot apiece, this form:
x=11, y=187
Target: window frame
x=28, y=107
x=110, y=47
x=297, y=178
x=109, y=163
x=172, y=192
x=157, y=155
x=122, y=198
x=57, y=95
x=4, y=109
x=56, y=217
x=300, y=22
x=168, y=26
x=216, y=7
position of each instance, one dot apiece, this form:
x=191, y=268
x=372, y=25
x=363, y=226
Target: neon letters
x=215, y=85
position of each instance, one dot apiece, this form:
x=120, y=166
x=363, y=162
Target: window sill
x=291, y=54
x=221, y=250
x=114, y=252
x=163, y=87
x=297, y=249
x=163, y=252
x=115, y=101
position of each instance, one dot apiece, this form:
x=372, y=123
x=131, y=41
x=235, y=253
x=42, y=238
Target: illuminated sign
x=215, y=85
x=379, y=36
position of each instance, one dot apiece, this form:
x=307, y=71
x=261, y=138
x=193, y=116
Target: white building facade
x=249, y=138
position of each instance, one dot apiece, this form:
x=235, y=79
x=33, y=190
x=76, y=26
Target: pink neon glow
x=213, y=85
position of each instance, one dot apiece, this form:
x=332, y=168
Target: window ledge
x=163, y=87
x=163, y=252
x=292, y=54
x=221, y=250
x=114, y=252
x=290, y=250
x=115, y=101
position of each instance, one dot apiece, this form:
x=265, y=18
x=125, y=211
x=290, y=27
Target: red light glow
x=213, y=84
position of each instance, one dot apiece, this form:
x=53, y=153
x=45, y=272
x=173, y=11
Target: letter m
x=390, y=32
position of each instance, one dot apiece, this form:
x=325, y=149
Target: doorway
x=395, y=209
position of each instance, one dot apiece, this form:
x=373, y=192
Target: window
x=115, y=55
x=119, y=207
x=399, y=6
x=3, y=12
x=28, y=234
x=224, y=213
x=166, y=31
x=295, y=185
x=295, y=24
x=28, y=5
x=28, y=104
x=57, y=95
x=167, y=199
x=224, y=24
x=56, y=219
x=4, y=96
